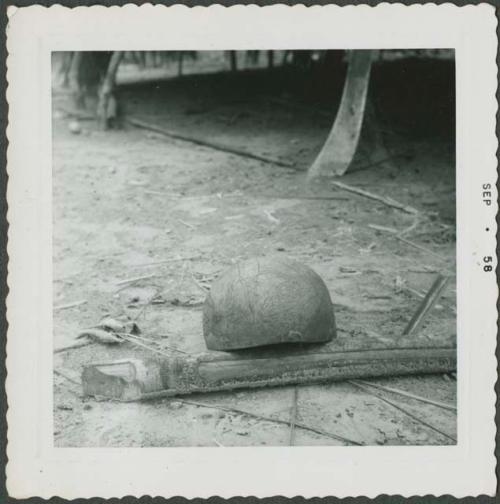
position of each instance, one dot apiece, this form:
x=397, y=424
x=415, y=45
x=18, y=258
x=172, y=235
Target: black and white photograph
x=254, y=248
x=251, y=251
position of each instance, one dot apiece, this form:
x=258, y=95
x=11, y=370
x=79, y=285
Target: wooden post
x=65, y=67
x=340, y=146
x=133, y=379
x=233, y=60
x=270, y=59
x=75, y=82
x=107, y=107
x=180, y=58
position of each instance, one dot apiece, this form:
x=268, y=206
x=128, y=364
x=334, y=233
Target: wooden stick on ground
x=166, y=261
x=275, y=420
x=421, y=247
x=70, y=305
x=381, y=199
x=407, y=413
x=136, y=279
x=67, y=377
x=438, y=305
x=137, y=379
x=72, y=346
x=403, y=393
x=207, y=143
x=426, y=306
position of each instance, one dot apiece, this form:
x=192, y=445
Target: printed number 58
x=487, y=267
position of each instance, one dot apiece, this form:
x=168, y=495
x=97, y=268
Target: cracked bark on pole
x=107, y=107
x=135, y=379
x=341, y=144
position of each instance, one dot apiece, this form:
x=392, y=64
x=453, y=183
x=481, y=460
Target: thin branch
x=66, y=377
x=421, y=247
x=275, y=420
x=403, y=393
x=136, y=279
x=70, y=305
x=131, y=339
x=206, y=143
x=407, y=413
x=427, y=304
x=166, y=261
x=72, y=346
x=381, y=199
x=187, y=224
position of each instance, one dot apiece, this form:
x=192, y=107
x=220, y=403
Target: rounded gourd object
x=265, y=301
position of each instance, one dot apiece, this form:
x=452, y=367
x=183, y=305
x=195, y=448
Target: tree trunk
x=233, y=60
x=108, y=107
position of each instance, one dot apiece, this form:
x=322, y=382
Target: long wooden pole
x=106, y=113
x=138, y=123
x=133, y=379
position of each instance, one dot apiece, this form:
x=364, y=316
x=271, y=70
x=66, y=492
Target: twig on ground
x=379, y=161
x=383, y=228
x=421, y=295
x=131, y=339
x=410, y=228
x=426, y=305
x=148, y=303
x=397, y=236
x=271, y=217
x=293, y=415
x=381, y=199
x=206, y=143
x=403, y=393
x=275, y=420
x=66, y=377
x=72, y=346
x=136, y=279
x=70, y=305
x=187, y=224
x=421, y=247
x=407, y=413
x=300, y=197
x=166, y=261
x=142, y=338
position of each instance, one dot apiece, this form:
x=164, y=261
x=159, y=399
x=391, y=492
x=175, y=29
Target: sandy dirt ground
x=130, y=203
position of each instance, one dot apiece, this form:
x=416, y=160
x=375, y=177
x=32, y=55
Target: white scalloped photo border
x=35, y=466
